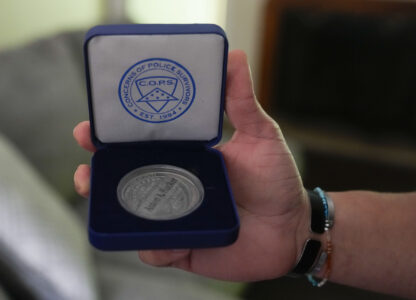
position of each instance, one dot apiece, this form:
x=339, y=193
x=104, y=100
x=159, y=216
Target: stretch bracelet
x=329, y=210
x=327, y=262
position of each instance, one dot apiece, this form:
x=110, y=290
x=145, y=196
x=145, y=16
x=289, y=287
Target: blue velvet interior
x=109, y=165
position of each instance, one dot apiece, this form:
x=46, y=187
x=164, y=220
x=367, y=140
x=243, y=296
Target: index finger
x=82, y=134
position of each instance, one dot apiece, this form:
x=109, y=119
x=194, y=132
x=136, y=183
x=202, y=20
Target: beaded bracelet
x=327, y=262
x=328, y=207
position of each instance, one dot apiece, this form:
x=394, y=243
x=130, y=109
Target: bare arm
x=374, y=240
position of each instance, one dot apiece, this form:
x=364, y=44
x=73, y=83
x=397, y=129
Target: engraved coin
x=160, y=192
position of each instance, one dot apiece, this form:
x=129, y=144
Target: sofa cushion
x=42, y=97
x=42, y=243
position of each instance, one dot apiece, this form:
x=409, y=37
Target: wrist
x=303, y=232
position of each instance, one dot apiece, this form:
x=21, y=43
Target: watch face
x=160, y=192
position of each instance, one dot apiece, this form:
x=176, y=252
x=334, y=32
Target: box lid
x=150, y=83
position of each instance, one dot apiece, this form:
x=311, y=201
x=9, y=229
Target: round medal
x=160, y=192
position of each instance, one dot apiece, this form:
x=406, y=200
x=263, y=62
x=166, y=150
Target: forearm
x=374, y=241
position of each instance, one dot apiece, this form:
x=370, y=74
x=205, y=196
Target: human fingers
x=82, y=135
x=243, y=110
x=82, y=180
x=164, y=258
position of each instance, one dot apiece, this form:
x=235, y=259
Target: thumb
x=243, y=110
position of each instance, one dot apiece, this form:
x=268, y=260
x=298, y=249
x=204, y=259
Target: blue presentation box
x=156, y=99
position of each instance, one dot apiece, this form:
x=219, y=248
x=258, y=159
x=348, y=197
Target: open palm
x=267, y=187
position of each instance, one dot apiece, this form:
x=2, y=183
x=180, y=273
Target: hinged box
x=156, y=99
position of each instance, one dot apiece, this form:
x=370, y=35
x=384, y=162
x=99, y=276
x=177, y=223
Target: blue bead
x=324, y=201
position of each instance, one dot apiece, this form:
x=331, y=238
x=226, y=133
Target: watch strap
x=317, y=212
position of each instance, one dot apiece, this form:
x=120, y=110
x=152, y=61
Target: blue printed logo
x=157, y=90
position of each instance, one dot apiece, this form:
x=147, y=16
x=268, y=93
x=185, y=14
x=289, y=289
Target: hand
x=266, y=184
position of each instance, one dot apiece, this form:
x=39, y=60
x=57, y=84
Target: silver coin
x=160, y=192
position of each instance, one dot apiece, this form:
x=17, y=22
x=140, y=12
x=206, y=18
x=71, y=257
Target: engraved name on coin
x=160, y=192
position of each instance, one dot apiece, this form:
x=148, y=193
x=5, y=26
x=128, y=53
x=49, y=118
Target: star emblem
x=157, y=91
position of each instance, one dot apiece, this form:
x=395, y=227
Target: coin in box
x=160, y=192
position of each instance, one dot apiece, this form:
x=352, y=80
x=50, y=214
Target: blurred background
x=338, y=75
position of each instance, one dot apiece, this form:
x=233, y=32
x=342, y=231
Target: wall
x=22, y=21
x=245, y=30
x=178, y=11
